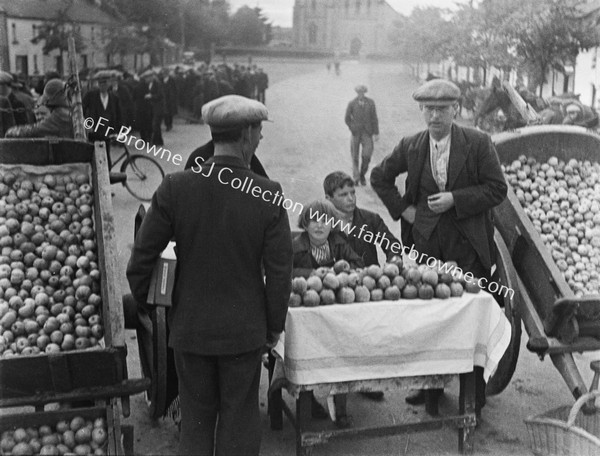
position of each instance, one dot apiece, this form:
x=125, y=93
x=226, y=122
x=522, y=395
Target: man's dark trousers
x=223, y=387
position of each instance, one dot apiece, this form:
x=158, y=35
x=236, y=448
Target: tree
x=246, y=27
x=55, y=33
x=548, y=34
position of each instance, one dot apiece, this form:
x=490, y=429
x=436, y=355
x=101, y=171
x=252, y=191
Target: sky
x=280, y=11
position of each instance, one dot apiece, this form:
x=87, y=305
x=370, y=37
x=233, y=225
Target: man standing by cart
x=453, y=181
x=361, y=118
x=225, y=309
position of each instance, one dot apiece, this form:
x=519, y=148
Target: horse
x=498, y=99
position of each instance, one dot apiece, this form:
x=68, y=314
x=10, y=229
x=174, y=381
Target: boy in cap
x=7, y=118
x=234, y=268
x=361, y=118
x=453, y=181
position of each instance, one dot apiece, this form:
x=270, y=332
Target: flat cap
x=147, y=73
x=233, y=112
x=437, y=92
x=103, y=75
x=5, y=78
x=360, y=88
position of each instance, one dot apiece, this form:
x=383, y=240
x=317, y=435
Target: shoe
x=317, y=410
x=344, y=422
x=373, y=395
x=363, y=181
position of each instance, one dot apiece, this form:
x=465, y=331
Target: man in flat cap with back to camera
x=361, y=118
x=453, y=181
x=225, y=309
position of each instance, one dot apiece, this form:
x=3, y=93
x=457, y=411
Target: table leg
x=467, y=407
x=302, y=418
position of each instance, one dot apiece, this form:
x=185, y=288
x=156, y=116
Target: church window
x=312, y=33
x=357, y=6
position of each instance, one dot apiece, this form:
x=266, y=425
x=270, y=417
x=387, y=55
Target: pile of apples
x=563, y=202
x=49, y=277
x=75, y=437
x=343, y=285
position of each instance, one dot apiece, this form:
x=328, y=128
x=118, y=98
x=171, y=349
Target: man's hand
x=272, y=339
x=376, y=138
x=409, y=214
x=440, y=202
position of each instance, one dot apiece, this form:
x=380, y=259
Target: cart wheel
x=506, y=276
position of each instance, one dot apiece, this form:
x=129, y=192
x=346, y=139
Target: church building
x=355, y=27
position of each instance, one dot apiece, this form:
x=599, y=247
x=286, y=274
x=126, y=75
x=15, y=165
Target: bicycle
x=142, y=174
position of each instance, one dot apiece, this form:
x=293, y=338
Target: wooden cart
x=540, y=282
x=97, y=374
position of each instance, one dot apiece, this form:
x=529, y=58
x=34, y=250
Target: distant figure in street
x=155, y=95
x=170, y=98
x=262, y=83
x=361, y=118
x=336, y=63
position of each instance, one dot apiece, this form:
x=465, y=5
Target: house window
x=312, y=33
x=36, y=70
x=92, y=35
x=33, y=30
x=14, y=33
x=21, y=64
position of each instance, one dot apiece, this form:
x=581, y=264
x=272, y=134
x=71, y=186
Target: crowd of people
x=147, y=101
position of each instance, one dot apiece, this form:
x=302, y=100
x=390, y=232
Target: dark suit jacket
x=206, y=151
x=157, y=98
x=362, y=119
x=474, y=178
x=222, y=304
x=304, y=262
x=375, y=224
x=92, y=107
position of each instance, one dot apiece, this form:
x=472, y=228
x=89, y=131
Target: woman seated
x=321, y=245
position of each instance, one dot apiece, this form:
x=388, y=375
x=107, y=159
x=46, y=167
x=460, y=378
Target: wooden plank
x=126, y=387
x=59, y=373
x=114, y=321
x=13, y=421
x=75, y=93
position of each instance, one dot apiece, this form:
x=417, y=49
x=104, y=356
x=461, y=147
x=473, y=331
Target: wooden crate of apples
x=393, y=281
x=49, y=275
x=562, y=200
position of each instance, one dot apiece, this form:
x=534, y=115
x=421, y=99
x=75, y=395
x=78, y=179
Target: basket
x=565, y=431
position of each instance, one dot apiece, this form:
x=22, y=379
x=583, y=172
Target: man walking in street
x=234, y=265
x=361, y=118
x=453, y=181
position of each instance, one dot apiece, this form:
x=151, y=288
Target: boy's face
x=318, y=231
x=344, y=199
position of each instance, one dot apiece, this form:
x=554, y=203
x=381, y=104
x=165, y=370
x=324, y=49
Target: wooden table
x=471, y=330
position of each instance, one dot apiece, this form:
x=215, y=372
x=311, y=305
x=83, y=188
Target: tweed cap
x=147, y=73
x=361, y=88
x=103, y=75
x=5, y=78
x=233, y=112
x=437, y=92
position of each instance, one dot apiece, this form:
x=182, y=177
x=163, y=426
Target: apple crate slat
x=96, y=372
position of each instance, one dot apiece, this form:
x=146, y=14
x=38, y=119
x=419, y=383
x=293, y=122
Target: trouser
x=157, y=138
x=446, y=243
x=367, y=152
x=219, y=393
x=168, y=121
x=261, y=96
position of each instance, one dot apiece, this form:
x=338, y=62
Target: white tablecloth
x=386, y=339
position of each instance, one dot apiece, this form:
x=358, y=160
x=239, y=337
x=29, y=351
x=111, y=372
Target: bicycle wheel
x=144, y=175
